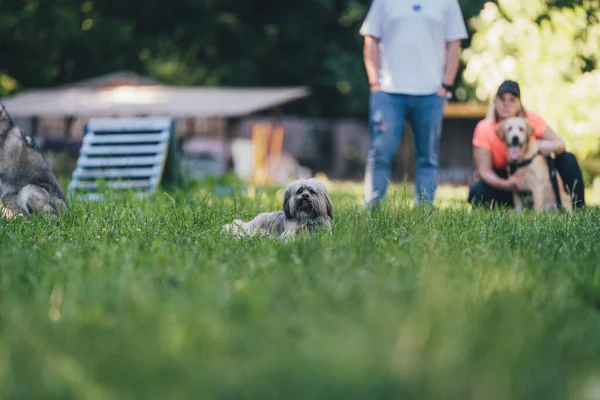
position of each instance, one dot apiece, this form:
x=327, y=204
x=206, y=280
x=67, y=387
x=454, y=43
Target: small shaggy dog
x=524, y=158
x=306, y=208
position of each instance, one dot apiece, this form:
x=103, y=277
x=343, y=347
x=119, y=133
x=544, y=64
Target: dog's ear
x=500, y=131
x=329, y=206
x=530, y=130
x=323, y=194
x=4, y=115
x=287, y=209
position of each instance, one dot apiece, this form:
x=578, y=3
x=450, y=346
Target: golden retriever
x=525, y=159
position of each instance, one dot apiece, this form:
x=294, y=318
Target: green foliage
x=194, y=42
x=44, y=43
x=7, y=84
x=145, y=299
x=553, y=53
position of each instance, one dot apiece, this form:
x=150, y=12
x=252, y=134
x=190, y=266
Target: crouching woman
x=495, y=186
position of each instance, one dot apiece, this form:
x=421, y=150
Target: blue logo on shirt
x=417, y=7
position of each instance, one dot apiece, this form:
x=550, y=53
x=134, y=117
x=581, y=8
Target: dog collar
x=515, y=165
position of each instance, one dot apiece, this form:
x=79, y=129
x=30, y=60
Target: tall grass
x=145, y=299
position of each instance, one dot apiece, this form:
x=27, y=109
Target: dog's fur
x=27, y=182
x=517, y=133
x=306, y=208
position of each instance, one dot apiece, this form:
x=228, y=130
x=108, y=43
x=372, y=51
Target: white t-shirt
x=412, y=45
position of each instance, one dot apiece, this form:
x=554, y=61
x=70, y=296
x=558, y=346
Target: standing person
x=411, y=56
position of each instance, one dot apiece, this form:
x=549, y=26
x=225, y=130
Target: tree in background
x=45, y=43
x=552, y=51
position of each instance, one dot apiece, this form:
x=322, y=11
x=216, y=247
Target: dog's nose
x=515, y=140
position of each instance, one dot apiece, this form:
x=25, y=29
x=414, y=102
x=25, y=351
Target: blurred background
x=219, y=67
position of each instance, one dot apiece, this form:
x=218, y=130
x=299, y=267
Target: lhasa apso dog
x=306, y=208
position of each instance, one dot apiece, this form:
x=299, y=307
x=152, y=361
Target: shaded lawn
x=145, y=299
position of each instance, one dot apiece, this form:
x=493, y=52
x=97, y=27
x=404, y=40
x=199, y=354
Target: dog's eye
x=300, y=190
x=311, y=191
x=521, y=129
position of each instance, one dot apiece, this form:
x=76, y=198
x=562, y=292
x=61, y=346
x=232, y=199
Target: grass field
x=144, y=299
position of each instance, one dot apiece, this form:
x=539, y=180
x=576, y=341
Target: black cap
x=509, y=86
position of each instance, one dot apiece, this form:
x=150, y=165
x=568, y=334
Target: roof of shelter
x=131, y=100
x=465, y=110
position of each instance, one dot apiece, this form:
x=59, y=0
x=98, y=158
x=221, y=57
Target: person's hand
x=516, y=182
x=442, y=92
x=376, y=87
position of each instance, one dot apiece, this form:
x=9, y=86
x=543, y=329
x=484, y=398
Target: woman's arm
x=483, y=164
x=550, y=142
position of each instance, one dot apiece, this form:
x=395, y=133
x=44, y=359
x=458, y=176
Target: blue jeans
x=388, y=114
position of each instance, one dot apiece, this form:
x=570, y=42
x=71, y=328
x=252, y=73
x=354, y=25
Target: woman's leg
x=570, y=172
x=482, y=194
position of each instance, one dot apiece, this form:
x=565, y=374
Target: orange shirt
x=485, y=137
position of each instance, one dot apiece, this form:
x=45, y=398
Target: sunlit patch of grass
x=144, y=298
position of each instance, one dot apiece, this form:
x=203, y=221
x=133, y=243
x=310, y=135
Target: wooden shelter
x=126, y=94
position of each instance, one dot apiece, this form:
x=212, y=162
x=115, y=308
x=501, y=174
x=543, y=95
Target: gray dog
x=306, y=208
x=27, y=182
